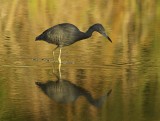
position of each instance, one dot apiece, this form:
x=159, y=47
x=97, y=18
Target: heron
x=66, y=34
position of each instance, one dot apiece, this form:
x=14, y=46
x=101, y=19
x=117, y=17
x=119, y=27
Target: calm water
x=100, y=81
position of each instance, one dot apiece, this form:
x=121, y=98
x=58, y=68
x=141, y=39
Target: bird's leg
x=59, y=70
x=54, y=52
x=59, y=59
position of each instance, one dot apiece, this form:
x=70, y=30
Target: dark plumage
x=66, y=34
x=63, y=91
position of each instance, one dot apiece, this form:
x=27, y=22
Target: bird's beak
x=109, y=39
x=104, y=34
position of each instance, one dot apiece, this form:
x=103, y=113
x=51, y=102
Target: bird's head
x=99, y=28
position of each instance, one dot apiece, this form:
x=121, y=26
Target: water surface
x=100, y=81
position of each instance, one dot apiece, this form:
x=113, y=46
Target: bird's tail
x=40, y=37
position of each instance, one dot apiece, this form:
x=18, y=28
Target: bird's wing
x=62, y=34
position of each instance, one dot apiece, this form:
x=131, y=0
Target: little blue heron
x=66, y=34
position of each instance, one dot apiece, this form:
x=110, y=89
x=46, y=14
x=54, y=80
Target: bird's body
x=62, y=34
x=66, y=34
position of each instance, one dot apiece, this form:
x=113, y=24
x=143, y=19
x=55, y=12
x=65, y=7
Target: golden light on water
x=129, y=66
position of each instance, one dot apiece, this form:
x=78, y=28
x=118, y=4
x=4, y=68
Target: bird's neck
x=88, y=33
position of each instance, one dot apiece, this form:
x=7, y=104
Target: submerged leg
x=54, y=52
x=59, y=70
x=59, y=76
x=59, y=58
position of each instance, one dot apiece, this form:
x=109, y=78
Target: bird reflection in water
x=63, y=91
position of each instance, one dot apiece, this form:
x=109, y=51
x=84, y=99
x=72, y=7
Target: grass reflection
x=131, y=62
